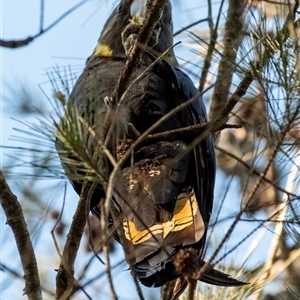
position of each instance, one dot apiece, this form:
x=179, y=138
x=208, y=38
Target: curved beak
x=138, y=8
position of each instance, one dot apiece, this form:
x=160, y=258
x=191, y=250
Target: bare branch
x=153, y=13
x=20, y=43
x=58, y=220
x=15, y=219
x=65, y=282
x=15, y=273
x=106, y=254
x=184, y=132
x=189, y=26
x=232, y=40
x=42, y=12
x=211, y=46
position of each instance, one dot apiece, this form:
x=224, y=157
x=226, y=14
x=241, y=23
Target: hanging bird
x=163, y=194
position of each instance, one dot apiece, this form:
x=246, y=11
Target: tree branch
x=15, y=219
x=20, y=43
x=153, y=13
x=232, y=40
x=190, y=26
x=211, y=46
x=65, y=283
x=189, y=132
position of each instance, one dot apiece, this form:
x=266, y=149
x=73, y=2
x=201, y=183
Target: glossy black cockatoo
x=163, y=194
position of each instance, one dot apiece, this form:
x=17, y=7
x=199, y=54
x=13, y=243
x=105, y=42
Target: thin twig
x=15, y=219
x=211, y=46
x=58, y=220
x=26, y=41
x=282, y=210
x=106, y=253
x=15, y=274
x=188, y=132
x=250, y=168
x=42, y=12
x=189, y=26
x=210, y=16
x=90, y=281
x=282, y=265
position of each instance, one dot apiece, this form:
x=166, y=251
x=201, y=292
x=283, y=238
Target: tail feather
x=211, y=276
x=215, y=277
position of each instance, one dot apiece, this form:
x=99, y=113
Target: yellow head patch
x=102, y=50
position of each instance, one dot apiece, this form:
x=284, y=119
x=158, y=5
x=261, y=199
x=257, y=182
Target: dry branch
x=65, y=283
x=153, y=13
x=232, y=39
x=15, y=219
x=189, y=26
x=211, y=46
x=189, y=132
x=20, y=43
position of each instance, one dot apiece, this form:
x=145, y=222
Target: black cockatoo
x=163, y=194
